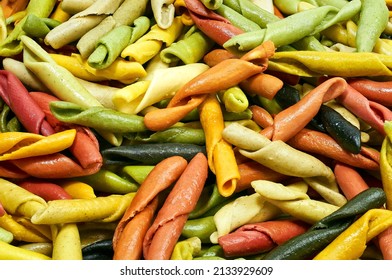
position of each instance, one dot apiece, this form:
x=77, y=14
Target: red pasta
x=46, y=190
x=380, y=92
x=261, y=237
x=216, y=27
x=15, y=94
x=371, y=112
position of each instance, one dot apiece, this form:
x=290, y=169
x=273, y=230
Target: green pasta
x=201, y=228
x=190, y=49
x=252, y=12
x=100, y=118
x=181, y=134
x=38, y=27
x=110, y=46
x=234, y=100
x=237, y=19
x=302, y=24
x=109, y=182
x=373, y=19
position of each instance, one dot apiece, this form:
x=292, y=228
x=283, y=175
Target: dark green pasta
x=149, y=153
x=346, y=134
x=100, y=250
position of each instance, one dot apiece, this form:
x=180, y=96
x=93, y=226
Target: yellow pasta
x=221, y=158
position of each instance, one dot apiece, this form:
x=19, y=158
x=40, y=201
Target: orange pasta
x=162, y=236
x=163, y=175
x=304, y=110
x=130, y=243
x=261, y=116
x=312, y=141
x=221, y=158
x=349, y=180
x=226, y=74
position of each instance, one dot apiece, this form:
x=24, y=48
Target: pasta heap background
x=187, y=129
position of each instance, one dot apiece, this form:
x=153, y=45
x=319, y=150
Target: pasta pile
x=195, y=130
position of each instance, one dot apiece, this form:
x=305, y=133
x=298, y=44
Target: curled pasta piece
x=110, y=46
x=286, y=160
x=221, y=158
x=44, y=189
x=97, y=117
x=304, y=110
x=237, y=19
x=120, y=70
x=163, y=11
x=309, y=141
x=377, y=91
x=73, y=6
x=313, y=63
x=18, y=201
x=130, y=244
x=151, y=43
x=190, y=49
x=251, y=170
x=260, y=12
x=66, y=242
x=293, y=202
x=373, y=113
x=107, y=181
x=19, y=145
x=15, y=94
x=261, y=237
x=215, y=26
x=374, y=17
x=22, y=232
x=186, y=249
x=41, y=64
x=349, y=180
x=163, y=84
x=243, y=210
x=78, y=189
x=103, y=209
